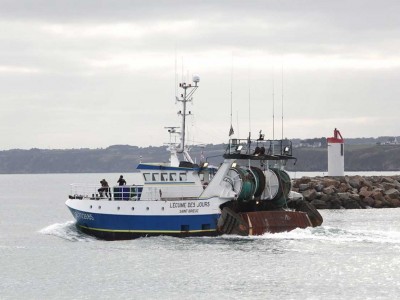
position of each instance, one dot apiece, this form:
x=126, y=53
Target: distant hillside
x=117, y=158
x=125, y=158
x=356, y=158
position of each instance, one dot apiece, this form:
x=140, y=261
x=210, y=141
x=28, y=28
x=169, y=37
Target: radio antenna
x=282, y=101
x=231, y=87
x=182, y=71
x=273, y=106
x=248, y=79
x=176, y=75
x=231, y=131
x=237, y=123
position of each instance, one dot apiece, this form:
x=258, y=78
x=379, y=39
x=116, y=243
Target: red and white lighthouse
x=336, y=154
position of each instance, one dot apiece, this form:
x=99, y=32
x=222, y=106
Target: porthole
x=133, y=208
x=90, y=206
x=162, y=208
x=118, y=208
x=147, y=208
x=99, y=206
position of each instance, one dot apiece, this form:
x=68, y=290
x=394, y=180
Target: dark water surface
x=354, y=255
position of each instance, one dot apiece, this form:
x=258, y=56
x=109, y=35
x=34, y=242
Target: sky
x=90, y=74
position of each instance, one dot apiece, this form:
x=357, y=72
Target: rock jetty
x=350, y=192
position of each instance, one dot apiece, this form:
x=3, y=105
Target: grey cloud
x=352, y=14
x=59, y=80
x=279, y=27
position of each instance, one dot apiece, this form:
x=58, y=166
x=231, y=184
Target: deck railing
x=133, y=193
x=96, y=192
x=260, y=147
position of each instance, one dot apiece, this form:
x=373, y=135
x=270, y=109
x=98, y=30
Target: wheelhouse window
x=146, y=176
x=182, y=177
x=156, y=177
x=172, y=176
x=164, y=176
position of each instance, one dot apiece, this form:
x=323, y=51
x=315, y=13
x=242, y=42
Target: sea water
x=353, y=255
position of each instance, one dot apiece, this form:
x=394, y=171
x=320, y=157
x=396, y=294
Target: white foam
x=333, y=234
x=66, y=231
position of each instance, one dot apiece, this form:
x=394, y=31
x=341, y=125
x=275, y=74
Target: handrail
x=259, y=149
x=133, y=193
x=93, y=192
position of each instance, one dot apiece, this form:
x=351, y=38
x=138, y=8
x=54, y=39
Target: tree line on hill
x=125, y=158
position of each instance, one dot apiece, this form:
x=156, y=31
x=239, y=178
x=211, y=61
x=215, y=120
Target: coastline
x=350, y=192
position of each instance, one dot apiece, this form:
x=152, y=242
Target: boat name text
x=83, y=216
x=189, y=207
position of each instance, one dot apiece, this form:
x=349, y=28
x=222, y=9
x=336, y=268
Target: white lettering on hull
x=83, y=216
x=189, y=207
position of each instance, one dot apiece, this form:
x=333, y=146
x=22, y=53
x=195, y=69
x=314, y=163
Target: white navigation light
x=196, y=78
x=286, y=150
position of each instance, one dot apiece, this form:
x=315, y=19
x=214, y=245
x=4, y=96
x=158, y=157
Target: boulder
x=303, y=180
x=393, y=193
x=351, y=204
x=386, y=203
x=335, y=203
x=343, y=187
x=310, y=195
x=366, y=182
x=329, y=190
x=387, y=186
x=393, y=202
x=303, y=187
x=396, y=184
x=319, y=204
x=355, y=197
x=368, y=201
x=354, y=182
x=343, y=197
x=386, y=180
x=364, y=192
x=330, y=182
x=354, y=191
x=377, y=195
x=324, y=197
x=319, y=187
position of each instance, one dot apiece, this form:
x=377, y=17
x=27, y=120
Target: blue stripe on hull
x=131, y=226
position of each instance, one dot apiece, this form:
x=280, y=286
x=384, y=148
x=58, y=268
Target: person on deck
x=121, y=180
x=104, y=189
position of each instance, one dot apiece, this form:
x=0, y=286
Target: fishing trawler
x=249, y=194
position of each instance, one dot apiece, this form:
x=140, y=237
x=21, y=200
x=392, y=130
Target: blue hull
x=120, y=227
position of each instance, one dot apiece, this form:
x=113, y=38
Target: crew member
x=104, y=189
x=121, y=180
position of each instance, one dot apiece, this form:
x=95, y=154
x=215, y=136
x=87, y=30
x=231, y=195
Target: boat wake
x=67, y=231
x=334, y=234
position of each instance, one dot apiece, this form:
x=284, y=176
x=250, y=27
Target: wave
x=333, y=234
x=67, y=231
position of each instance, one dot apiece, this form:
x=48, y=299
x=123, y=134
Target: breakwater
x=350, y=192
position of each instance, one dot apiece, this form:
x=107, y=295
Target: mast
x=188, y=91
